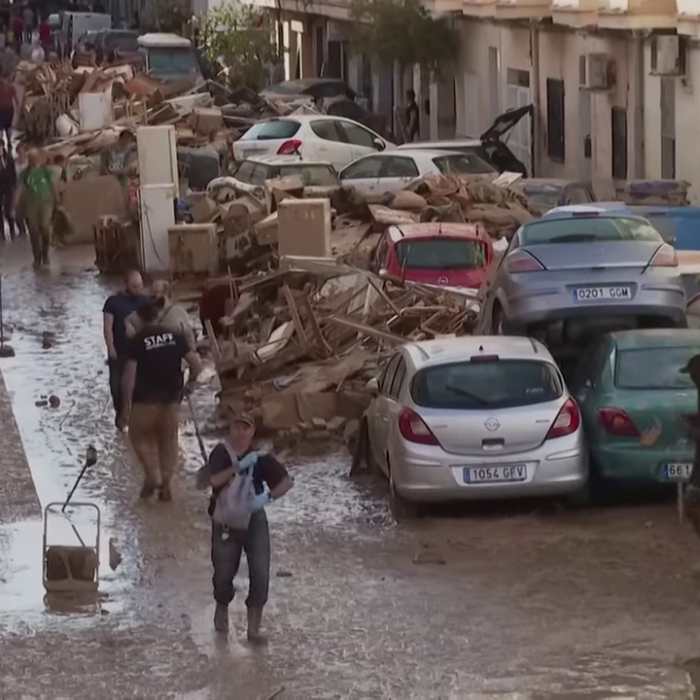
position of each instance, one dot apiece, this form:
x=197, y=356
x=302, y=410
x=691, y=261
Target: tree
x=241, y=38
x=403, y=31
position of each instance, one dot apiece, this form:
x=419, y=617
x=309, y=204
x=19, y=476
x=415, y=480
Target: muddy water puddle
x=592, y=606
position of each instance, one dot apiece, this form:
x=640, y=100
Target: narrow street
x=509, y=602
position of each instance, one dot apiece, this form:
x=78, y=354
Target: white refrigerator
x=157, y=215
x=157, y=150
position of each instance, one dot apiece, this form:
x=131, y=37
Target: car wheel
x=400, y=508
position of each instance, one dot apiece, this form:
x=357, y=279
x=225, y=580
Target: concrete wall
x=559, y=53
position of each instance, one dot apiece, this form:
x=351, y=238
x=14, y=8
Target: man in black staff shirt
x=228, y=544
x=115, y=311
x=153, y=388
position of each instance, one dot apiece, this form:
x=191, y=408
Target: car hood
x=503, y=123
x=577, y=256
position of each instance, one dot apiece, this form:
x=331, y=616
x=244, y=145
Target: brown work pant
x=153, y=433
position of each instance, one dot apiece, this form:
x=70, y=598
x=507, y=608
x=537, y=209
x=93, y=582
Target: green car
x=630, y=389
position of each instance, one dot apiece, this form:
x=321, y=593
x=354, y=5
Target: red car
x=450, y=255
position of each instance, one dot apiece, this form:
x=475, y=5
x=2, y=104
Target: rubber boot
x=221, y=618
x=164, y=494
x=254, y=622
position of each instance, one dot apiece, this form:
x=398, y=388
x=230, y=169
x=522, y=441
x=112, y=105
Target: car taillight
x=520, y=261
x=567, y=421
x=665, y=256
x=289, y=148
x=616, y=422
x=413, y=428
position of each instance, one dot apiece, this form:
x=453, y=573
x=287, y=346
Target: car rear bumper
x=554, y=470
x=634, y=463
x=542, y=307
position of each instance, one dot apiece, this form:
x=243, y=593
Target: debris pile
x=298, y=345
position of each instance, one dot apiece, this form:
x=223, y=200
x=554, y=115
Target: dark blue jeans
x=226, y=548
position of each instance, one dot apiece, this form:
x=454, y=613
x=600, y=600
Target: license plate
x=678, y=471
x=601, y=293
x=489, y=475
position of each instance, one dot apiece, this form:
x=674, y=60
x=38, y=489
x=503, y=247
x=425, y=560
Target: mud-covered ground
x=513, y=602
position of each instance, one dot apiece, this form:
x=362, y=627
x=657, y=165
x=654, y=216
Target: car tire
x=400, y=508
x=499, y=324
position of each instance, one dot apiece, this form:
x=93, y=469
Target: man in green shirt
x=39, y=198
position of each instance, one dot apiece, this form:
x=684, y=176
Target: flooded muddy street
x=503, y=603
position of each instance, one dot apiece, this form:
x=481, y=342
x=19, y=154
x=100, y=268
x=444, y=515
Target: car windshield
x=126, y=41
x=312, y=175
x=172, y=60
x=654, y=368
x=546, y=196
x=463, y=164
x=269, y=131
x=441, y=254
x=479, y=385
x=580, y=229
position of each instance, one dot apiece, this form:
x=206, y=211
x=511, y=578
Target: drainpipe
x=638, y=114
x=536, y=132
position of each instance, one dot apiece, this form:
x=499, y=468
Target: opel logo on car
x=492, y=424
x=443, y=280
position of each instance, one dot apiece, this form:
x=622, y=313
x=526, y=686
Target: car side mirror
x=379, y=144
x=373, y=386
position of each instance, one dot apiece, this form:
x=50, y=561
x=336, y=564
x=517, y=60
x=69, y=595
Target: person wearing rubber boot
x=153, y=386
x=270, y=481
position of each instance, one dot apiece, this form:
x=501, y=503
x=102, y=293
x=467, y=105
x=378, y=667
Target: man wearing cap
x=270, y=481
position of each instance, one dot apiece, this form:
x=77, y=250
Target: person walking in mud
x=8, y=183
x=115, y=312
x=38, y=198
x=234, y=462
x=153, y=386
x=173, y=317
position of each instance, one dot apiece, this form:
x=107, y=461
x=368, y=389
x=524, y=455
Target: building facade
x=614, y=84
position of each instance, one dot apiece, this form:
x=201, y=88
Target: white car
x=248, y=177
x=336, y=140
x=394, y=170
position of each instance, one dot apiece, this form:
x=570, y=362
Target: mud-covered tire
x=400, y=508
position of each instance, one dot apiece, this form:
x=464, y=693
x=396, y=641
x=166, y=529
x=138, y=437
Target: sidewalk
x=18, y=498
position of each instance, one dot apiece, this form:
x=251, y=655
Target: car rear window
x=654, y=368
x=268, y=131
x=441, y=254
x=312, y=175
x=543, y=196
x=486, y=385
x=126, y=41
x=463, y=164
x=580, y=229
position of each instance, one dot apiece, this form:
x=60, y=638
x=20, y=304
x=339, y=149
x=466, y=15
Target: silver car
x=582, y=263
x=475, y=418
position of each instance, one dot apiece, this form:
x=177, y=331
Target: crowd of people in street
x=149, y=339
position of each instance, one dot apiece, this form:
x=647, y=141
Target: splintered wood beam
x=296, y=319
x=367, y=330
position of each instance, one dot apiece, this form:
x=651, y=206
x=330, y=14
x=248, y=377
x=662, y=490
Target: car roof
x=440, y=144
x=447, y=350
x=433, y=228
x=419, y=152
x=551, y=182
x=572, y=210
x=306, y=118
x=285, y=160
x=655, y=338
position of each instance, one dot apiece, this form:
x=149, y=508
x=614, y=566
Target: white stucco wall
x=652, y=119
x=687, y=138
x=559, y=53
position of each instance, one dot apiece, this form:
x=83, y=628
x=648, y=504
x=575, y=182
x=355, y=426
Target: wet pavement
x=522, y=602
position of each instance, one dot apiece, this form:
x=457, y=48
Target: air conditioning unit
x=667, y=55
x=596, y=72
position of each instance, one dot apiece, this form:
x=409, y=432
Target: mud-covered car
x=583, y=264
x=544, y=194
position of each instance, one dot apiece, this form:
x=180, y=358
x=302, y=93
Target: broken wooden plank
x=294, y=312
x=213, y=342
x=367, y=330
x=315, y=328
